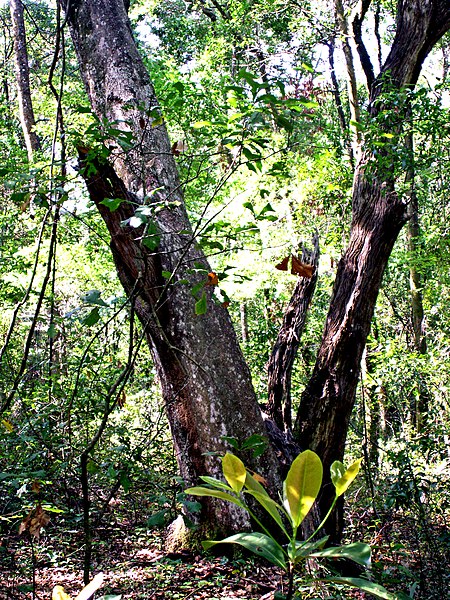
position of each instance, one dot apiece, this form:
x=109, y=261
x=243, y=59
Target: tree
x=205, y=381
x=379, y=213
x=27, y=119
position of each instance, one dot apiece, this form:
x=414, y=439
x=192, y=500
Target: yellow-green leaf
x=203, y=491
x=7, y=425
x=342, y=477
x=302, y=485
x=234, y=471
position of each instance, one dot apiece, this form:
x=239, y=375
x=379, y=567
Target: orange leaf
x=212, y=279
x=301, y=269
x=283, y=265
x=259, y=478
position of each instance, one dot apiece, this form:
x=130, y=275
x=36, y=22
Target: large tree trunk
x=378, y=215
x=205, y=381
x=27, y=119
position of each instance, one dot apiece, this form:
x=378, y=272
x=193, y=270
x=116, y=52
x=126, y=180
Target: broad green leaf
x=202, y=491
x=302, y=485
x=157, y=519
x=258, y=543
x=234, y=471
x=375, y=589
x=201, y=305
x=200, y=124
x=270, y=506
x=113, y=203
x=92, y=318
x=216, y=483
x=151, y=241
x=304, y=549
x=341, y=477
x=358, y=552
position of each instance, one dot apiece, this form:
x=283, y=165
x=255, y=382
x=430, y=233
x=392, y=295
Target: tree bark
x=378, y=216
x=205, y=381
x=27, y=119
x=281, y=362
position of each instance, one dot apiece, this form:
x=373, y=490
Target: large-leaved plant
x=300, y=490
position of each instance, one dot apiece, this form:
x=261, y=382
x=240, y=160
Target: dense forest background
x=269, y=107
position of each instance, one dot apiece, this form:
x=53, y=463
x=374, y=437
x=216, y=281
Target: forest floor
x=135, y=565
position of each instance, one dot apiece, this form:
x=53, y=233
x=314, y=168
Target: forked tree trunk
x=205, y=381
x=27, y=119
x=378, y=216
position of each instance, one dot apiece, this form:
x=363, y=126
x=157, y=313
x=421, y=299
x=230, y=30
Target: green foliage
x=300, y=490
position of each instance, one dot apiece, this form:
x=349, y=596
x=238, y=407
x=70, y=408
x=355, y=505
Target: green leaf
x=151, y=241
x=113, y=203
x=234, y=471
x=232, y=441
x=157, y=519
x=304, y=549
x=201, y=306
x=92, y=318
x=341, y=477
x=200, y=124
x=216, y=483
x=93, y=297
x=358, y=552
x=206, y=492
x=255, y=489
x=375, y=589
x=302, y=485
x=258, y=543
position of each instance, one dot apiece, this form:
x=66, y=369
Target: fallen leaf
x=260, y=478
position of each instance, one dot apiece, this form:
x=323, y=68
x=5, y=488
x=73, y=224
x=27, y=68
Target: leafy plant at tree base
x=300, y=490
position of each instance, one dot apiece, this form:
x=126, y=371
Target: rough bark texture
x=205, y=381
x=378, y=215
x=27, y=119
x=281, y=362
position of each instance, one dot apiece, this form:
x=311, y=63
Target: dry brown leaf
x=35, y=520
x=212, y=279
x=297, y=267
